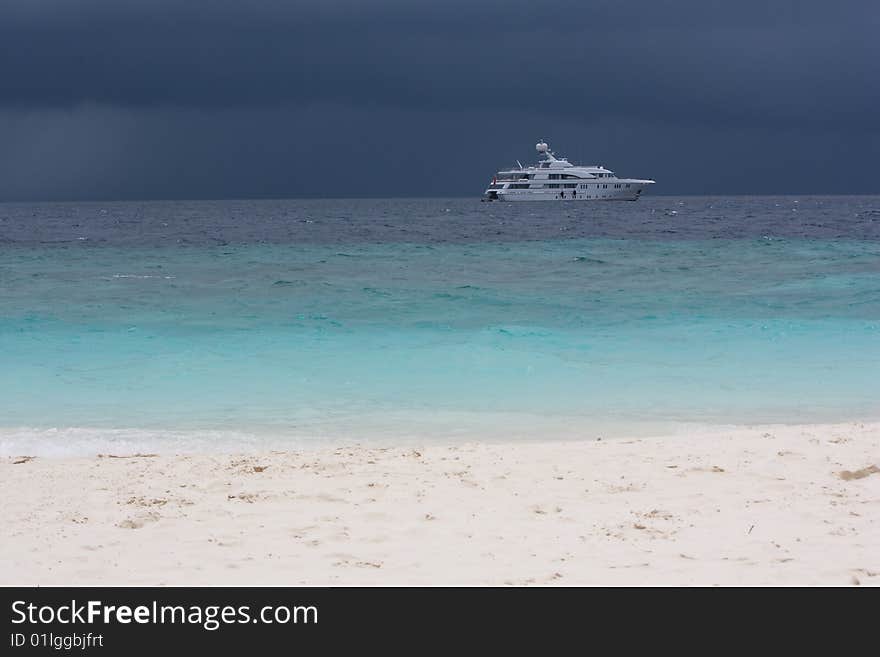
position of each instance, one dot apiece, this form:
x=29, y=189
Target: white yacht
x=557, y=179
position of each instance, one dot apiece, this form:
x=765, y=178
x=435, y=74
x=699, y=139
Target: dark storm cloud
x=687, y=60
x=153, y=98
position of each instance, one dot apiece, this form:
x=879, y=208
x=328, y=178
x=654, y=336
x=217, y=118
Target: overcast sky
x=137, y=99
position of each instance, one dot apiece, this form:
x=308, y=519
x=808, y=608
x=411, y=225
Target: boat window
x=519, y=187
x=570, y=185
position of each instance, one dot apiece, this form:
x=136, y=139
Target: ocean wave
x=142, y=276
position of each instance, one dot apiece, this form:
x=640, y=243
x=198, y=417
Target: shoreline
x=452, y=429
x=764, y=505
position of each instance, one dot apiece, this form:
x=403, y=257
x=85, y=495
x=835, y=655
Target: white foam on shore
x=85, y=441
x=379, y=430
x=387, y=429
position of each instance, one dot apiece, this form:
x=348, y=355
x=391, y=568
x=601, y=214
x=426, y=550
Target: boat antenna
x=520, y=165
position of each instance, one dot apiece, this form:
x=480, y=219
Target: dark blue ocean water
x=183, y=325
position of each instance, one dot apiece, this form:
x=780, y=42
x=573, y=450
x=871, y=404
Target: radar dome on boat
x=541, y=147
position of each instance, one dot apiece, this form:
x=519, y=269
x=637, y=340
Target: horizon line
x=404, y=198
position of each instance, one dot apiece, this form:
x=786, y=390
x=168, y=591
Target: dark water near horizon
x=435, y=221
x=184, y=325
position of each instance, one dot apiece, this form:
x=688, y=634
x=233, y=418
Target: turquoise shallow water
x=287, y=341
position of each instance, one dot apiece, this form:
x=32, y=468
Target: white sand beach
x=793, y=505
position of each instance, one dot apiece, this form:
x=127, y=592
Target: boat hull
x=526, y=195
